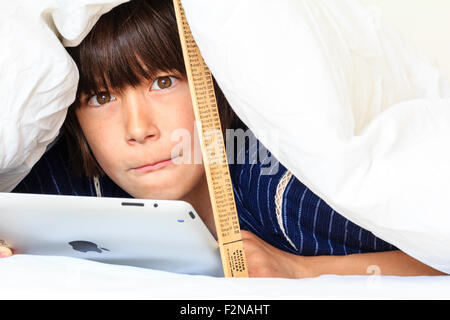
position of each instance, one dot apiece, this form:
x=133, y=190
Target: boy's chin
x=157, y=193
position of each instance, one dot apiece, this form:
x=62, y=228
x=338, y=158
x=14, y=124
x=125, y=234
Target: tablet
x=165, y=235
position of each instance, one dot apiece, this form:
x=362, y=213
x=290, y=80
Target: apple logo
x=86, y=246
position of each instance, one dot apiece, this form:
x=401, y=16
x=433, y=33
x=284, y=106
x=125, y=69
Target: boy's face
x=142, y=126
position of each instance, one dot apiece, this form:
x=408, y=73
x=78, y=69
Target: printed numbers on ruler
x=213, y=152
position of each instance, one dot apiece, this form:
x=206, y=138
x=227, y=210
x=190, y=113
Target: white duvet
x=353, y=111
x=345, y=104
x=39, y=79
x=39, y=277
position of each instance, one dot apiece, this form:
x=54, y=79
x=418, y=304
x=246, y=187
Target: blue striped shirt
x=277, y=207
x=281, y=210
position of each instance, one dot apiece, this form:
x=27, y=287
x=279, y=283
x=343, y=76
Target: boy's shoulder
x=246, y=152
x=254, y=171
x=52, y=174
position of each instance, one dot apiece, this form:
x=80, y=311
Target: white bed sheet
x=44, y=277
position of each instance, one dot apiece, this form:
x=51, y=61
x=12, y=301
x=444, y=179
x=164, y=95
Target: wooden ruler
x=213, y=152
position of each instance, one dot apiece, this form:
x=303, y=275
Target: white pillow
x=39, y=78
x=360, y=118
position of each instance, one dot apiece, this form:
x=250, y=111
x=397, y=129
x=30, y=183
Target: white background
x=425, y=22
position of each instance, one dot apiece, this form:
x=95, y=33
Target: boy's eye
x=101, y=99
x=163, y=83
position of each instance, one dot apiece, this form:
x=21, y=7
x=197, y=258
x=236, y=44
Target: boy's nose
x=138, y=120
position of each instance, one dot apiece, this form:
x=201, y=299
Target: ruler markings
x=213, y=151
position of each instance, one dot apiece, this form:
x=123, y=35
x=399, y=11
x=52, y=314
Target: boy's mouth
x=154, y=166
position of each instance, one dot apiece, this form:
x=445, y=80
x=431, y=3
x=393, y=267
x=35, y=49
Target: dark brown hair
x=132, y=42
